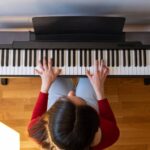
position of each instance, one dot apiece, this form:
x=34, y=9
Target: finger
x=57, y=71
x=101, y=64
x=96, y=66
x=106, y=72
x=88, y=74
x=50, y=64
x=38, y=72
x=45, y=64
x=39, y=66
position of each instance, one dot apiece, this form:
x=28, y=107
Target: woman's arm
x=48, y=75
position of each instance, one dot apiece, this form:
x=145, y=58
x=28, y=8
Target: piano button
x=112, y=60
x=90, y=62
x=140, y=58
x=2, y=58
x=117, y=58
x=135, y=57
x=144, y=57
x=74, y=58
x=83, y=65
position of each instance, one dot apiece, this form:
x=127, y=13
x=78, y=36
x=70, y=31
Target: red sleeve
x=39, y=108
x=110, y=131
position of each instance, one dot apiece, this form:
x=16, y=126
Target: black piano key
x=14, y=57
x=18, y=57
x=7, y=57
x=42, y=56
x=81, y=58
x=101, y=54
x=26, y=57
x=96, y=54
x=74, y=58
x=58, y=57
x=35, y=58
x=2, y=58
x=46, y=51
x=140, y=58
x=117, y=58
x=30, y=57
x=144, y=57
x=129, y=58
x=85, y=58
x=108, y=58
x=62, y=57
x=69, y=57
x=113, y=61
x=124, y=58
x=90, y=64
x=135, y=55
x=53, y=58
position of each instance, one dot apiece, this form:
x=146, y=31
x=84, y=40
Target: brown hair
x=71, y=127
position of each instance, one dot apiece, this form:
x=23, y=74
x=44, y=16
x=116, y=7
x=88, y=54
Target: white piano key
x=126, y=67
x=67, y=67
x=121, y=62
x=83, y=64
x=75, y=68
x=78, y=65
x=88, y=67
x=147, y=68
x=71, y=67
x=92, y=62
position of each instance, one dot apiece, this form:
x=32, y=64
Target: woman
x=69, y=118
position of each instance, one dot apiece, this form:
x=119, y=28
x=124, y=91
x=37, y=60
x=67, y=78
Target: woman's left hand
x=47, y=73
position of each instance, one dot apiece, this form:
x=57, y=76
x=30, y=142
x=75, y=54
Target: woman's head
x=69, y=123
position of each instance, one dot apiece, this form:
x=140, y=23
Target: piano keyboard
x=22, y=62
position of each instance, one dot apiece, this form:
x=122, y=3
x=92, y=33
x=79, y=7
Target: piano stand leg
x=4, y=81
x=146, y=81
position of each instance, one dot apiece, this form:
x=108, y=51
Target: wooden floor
x=129, y=98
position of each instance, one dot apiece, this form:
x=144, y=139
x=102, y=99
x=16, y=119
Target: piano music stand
x=78, y=28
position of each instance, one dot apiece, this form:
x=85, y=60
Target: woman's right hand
x=97, y=79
